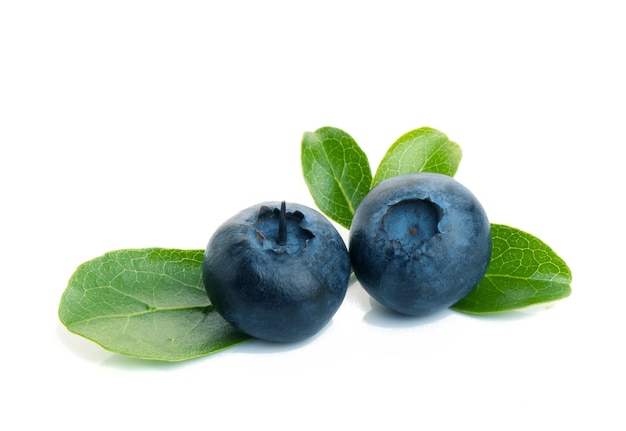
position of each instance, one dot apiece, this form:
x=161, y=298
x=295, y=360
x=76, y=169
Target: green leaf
x=336, y=171
x=523, y=271
x=420, y=150
x=146, y=303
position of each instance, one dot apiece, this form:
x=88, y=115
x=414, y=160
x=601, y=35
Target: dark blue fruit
x=420, y=242
x=277, y=271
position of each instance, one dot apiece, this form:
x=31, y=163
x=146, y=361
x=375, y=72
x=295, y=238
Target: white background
x=127, y=124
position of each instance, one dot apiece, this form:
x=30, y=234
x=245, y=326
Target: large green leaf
x=146, y=303
x=523, y=271
x=420, y=150
x=336, y=172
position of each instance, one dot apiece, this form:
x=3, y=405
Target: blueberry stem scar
x=282, y=225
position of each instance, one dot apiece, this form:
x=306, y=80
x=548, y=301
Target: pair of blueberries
x=418, y=243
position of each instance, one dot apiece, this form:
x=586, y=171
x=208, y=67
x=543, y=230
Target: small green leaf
x=146, y=303
x=420, y=150
x=336, y=171
x=523, y=271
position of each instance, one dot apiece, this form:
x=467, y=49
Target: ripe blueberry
x=419, y=242
x=277, y=274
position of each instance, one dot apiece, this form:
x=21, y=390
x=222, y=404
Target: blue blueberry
x=277, y=271
x=420, y=242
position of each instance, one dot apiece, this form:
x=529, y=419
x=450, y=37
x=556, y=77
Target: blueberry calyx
x=280, y=231
x=410, y=224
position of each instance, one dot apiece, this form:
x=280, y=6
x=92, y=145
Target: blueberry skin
x=420, y=242
x=275, y=290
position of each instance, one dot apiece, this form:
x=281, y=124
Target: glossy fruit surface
x=277, y=271
x=420, y=242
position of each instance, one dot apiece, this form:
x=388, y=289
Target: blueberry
x=420, y=242
x=277, y=271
